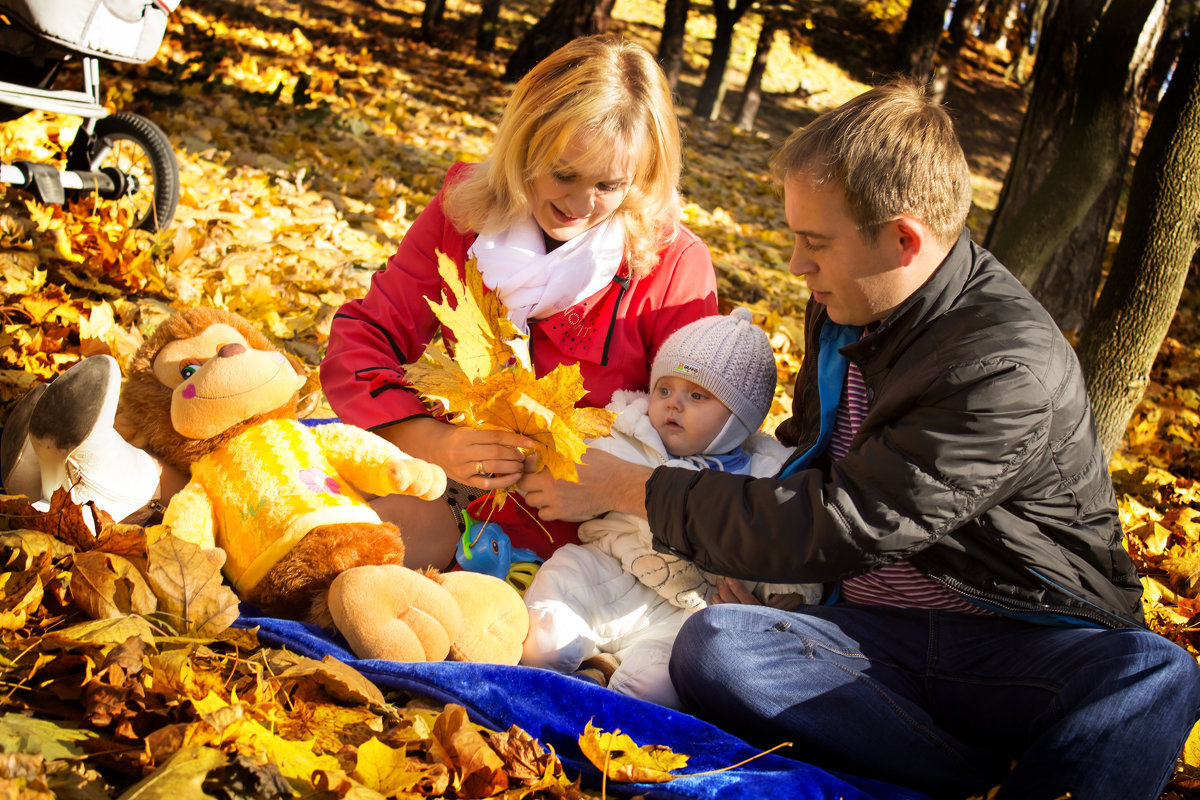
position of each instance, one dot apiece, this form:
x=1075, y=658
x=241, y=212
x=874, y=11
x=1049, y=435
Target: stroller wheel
x=139, y=149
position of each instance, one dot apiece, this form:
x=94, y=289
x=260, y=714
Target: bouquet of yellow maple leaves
x=488, y=383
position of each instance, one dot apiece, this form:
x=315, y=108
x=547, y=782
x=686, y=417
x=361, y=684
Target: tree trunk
x=996, y=19
x=563, y=21
x=1179, y=16
x=489, y=19
x=961, y=21
x=917, y=45
x=670, y=46
x=1021, y=69
x=1067, y=286
x=1161, y=234
x=1090, y=150
x=1069, y=26
x=708, y=105
x=752, y=93
x=431, y=18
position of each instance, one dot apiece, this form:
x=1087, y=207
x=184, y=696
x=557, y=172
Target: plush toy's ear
x=389, y=611
x=495, y=619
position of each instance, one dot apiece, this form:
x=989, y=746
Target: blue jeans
x=945, y=703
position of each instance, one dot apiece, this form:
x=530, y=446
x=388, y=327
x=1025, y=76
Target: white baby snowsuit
x=615, y=594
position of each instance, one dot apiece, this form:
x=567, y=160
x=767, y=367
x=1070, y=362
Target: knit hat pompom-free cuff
x=730, y=357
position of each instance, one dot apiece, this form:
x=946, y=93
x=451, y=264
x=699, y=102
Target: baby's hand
x=731, y=590
x=786, y=602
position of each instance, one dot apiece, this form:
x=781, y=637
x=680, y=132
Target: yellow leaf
x=1191, y=748
x=1155, y=536
x=182, y=776
x=1184, y=570
x=485, y=385
x=480, y=330
x=107, y=631
x=20, y=595
x=387, y=770
x=620, y=758
x=295, y=759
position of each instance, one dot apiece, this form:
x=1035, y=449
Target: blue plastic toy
x=486, y=548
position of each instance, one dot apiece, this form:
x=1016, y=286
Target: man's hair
x=606, y=92
x=893, y=151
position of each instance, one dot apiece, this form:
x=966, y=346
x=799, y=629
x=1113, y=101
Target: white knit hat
x=730, y=357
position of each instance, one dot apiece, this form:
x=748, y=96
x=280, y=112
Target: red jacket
x=613, y=335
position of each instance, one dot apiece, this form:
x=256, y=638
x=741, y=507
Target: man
x=983, y=623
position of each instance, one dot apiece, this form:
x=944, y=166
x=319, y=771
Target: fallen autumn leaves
x=160, y=697
x=288, y=204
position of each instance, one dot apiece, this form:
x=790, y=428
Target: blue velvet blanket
x=555, y=708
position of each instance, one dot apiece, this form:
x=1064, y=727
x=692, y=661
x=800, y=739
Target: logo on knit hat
x=687, y=370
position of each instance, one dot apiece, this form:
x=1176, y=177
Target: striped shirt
x=899, y=583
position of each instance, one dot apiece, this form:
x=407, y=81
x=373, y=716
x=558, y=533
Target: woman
x=573, y=220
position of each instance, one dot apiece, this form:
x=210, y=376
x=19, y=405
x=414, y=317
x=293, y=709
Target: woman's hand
x=484, y=459
x=606, y=483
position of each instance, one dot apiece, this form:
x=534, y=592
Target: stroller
x=123, y=156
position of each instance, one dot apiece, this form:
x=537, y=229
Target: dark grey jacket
x=978, y=461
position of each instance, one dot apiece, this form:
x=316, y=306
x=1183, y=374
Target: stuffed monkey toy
x=210, y=395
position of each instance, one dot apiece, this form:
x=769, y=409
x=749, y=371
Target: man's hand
x=606, y=483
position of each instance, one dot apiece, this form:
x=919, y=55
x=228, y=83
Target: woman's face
x=578, y=194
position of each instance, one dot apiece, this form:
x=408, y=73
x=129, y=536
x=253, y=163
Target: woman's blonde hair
x=894, y=152
x=601, y=91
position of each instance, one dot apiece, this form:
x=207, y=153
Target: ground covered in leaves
x=309, y=136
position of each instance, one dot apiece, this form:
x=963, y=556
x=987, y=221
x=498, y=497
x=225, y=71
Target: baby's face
x=686, y=416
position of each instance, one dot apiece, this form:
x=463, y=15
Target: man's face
x=859, y=280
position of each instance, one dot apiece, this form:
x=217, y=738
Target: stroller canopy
x=118, y=30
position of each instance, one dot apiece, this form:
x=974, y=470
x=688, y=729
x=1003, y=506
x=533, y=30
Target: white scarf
x=534, y=284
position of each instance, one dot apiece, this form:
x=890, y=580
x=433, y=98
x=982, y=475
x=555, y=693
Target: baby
x=712, y=384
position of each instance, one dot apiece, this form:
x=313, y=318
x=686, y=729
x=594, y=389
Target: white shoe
x=20, y=472
x=79, y=450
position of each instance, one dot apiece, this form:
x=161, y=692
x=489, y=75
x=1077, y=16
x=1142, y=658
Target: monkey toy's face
x=201, y=378
x=218, y=380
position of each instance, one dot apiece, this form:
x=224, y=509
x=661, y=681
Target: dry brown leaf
x=1183, y=570
x=524, y=758
x=480, y=771
x=342, y=682
x=106, y=585
x=193, y=598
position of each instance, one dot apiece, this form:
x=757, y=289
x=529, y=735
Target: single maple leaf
x=1184, y=570
x=192, y=596
x=106, y=585
x=387, y=770
x=482, y=331
x=481, y=771
x=621, y=759
x=525, y=760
